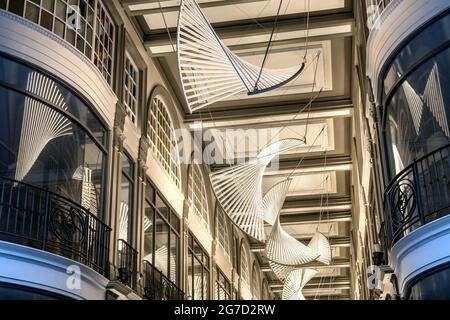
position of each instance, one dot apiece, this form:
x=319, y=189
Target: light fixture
x=239, y=189
x=295, y=283
x=210, y=72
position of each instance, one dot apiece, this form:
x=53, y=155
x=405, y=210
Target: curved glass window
x=49, y=138
x=417, y=117
x=265, y=291
x=161, y=134
x=223, y=236
x=244, y=265
x=85, y=24
x=432, y=287
x=24, y=78
x=256, y=290
x=422, y=44
x=197, y=195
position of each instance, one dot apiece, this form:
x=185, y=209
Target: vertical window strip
x=197, y=195
x=161, y=135
x=131, y=88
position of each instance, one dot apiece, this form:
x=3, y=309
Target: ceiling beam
x=293, y=29
x=334, y=242
x=313, y=164
x=315, y=217
x=155, y=9
x=296, y=205
x=272, y=113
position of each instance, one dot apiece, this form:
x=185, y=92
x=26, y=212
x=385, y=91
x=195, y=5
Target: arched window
x=161, y=134
x=197, y=194
x=256, y=289
x=223, y=235
x=265, y=291
x=244, y=265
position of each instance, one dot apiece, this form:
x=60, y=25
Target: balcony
x=40, y=219
x=418, y=195
x=127, y=268
x=158, y=287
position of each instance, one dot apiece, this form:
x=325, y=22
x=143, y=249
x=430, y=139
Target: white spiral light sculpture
x=89, y=199
x=274, y=199
x=285, y=250
x=41, y=124
x=239, y=188
x=209, y=71
x=295, y=283
x=123, y=221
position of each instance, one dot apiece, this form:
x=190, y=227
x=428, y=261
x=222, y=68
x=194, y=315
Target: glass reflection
x=42, y=147
x=417, y=122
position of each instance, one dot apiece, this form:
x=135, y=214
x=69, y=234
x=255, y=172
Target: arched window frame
x=256, y=281
x=161, y=135
x=245, y=272
x=223, y=232
x=198, y=201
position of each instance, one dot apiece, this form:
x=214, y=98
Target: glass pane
x=46, y=20
x=163, y=209
x=58, y=156
x=205, y=284
x=125, y=209
x=32, y=13
x=190, y=289
x=198, y=280
x=418, y=121
x=175, y=221
x=148, y=232
x=25, y=78
x=161, y=245
x=16, y=7
x=174, y=258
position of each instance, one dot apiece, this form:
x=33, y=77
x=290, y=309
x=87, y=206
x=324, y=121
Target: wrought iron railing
x=158, y=287
x=41, y=219
x=418, y=195
x=127, y=268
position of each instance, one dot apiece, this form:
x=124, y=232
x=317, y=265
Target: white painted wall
x=38, y=269
x=423, y=249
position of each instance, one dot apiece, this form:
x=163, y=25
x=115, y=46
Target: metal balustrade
x=127, y=258
x=44, y=220
x=418, y=195
x=158, y=286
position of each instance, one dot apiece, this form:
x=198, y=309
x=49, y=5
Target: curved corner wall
x=35, y=269
x=422, y=250
x=399, y=20
x=30, y=42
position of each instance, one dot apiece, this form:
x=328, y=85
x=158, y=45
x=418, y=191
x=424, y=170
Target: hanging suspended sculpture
x=295, y=283
x=274, y=199
x=210, y=72
x=41, y=124
x=285, y=250
x=273, y=202
x=123, y=221
x=89, y=198
x=321, y=246
x=432, y=100
x=239, y=188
